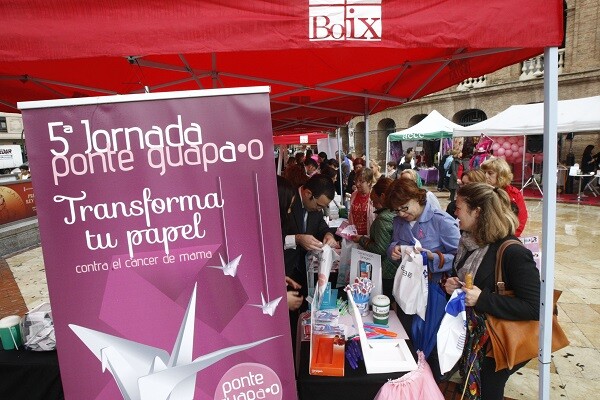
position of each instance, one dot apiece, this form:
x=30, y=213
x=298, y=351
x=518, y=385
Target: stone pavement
x=575, y=369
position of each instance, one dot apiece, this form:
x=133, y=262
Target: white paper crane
x=229, y=267
x=148, y=373
x=268, y=306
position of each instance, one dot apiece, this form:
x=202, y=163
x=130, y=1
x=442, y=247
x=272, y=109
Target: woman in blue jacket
x=438, y=234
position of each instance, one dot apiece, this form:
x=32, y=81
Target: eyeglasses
x=319, y=206
x=400, y=210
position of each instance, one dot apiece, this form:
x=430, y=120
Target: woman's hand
x=356, y=238
x=396, y=253
x=452, y=284
x=471, y=296
x=294, y=300
x=292, y=283
x=429, y=254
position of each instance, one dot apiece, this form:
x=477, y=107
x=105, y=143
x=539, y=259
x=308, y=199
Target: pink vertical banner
x=162, y=245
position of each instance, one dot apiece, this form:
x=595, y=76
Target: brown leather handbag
x=514, y=342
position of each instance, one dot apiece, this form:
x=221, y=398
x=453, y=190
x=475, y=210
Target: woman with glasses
x=438, y=234
x=361, y=208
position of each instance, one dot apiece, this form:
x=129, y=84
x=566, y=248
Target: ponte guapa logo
x=344, y=20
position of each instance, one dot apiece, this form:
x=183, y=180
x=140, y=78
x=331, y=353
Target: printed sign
x=345, y=20
x=16, y=201
x=164, y=262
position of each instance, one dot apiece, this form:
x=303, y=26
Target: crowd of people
x=391, y=210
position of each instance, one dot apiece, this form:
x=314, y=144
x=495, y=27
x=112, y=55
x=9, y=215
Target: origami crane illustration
x=144, y=372
x=229, y=268
x=267, y=307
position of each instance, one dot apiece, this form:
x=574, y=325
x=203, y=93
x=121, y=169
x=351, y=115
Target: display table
x=356, y=384
x=30, y=375
x=428, y=175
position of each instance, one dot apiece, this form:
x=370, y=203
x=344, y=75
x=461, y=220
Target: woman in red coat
x=498, y=174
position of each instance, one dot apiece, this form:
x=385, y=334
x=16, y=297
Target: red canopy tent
x=325, y=62
x=299, y=138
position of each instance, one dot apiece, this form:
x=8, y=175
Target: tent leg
x=549, y=217
x=340, y=181
x=524, y=164
x=367, y=154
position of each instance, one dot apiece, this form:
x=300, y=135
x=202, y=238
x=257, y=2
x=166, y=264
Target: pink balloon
x=506, y=145
x=521, y=141
x=512, y=139
x=528, y=157
x=495, y=146
x=508, y=153
x=500, y=152
x=499, y=139
x=514, y=147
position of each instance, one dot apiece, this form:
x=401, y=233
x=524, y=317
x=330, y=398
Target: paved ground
x=575, y=370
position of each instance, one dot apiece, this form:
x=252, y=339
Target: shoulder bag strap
x=500, y=286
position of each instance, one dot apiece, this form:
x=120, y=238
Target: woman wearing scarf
x=486, y=221
x=362, y=212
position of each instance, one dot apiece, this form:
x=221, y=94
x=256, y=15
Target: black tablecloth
x=29, y=375
x=356, y=384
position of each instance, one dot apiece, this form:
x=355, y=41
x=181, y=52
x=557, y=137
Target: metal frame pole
x=549, y=217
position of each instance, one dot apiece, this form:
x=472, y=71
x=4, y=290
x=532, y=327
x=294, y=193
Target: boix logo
x=344, y=20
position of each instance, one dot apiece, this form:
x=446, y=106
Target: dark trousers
x=492, y=382
x=441, y=175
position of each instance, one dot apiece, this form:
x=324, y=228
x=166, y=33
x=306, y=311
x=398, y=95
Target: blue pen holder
x=363, y=307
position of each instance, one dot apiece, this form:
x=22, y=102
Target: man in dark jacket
x=306, y=229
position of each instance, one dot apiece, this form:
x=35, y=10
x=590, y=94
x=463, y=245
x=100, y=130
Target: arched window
x=470, y=117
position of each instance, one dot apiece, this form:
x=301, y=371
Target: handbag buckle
x=501, y=288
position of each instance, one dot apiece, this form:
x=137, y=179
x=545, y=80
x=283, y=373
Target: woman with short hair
x=498, y=174
x=362, y=212
x=380, y=234
x=437, y=232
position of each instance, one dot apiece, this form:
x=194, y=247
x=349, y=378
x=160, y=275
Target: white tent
x=576, y=115
x=433, y=126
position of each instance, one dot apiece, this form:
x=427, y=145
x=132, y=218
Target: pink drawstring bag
x=416, y=385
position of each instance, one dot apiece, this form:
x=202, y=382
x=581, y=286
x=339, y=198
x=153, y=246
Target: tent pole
x=367, y=154
x=523, y=162
x=387, y=152
x=280, y=159
x=549, y=217
x=340, y=181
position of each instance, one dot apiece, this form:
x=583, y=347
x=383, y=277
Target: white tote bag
x=410, y=283
x=452, y=333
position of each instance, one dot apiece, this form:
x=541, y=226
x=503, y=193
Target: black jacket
x=295, y=264
x=520, y=274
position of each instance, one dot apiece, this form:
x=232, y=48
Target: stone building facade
x=483, y=97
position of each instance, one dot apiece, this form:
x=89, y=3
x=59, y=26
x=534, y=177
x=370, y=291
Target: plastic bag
x=452, y=333
x=411, y=284
x=38, y=329
x=345, y=260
